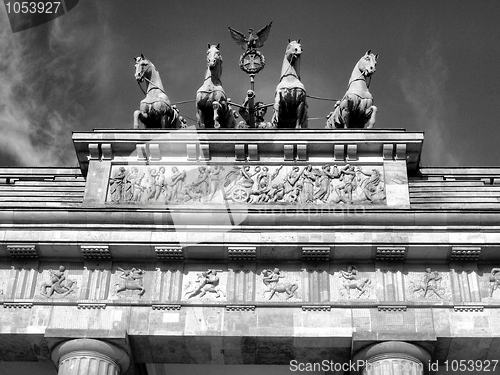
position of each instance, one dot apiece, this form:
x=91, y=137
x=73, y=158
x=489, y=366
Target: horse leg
x=371, y=121
x=216, y=106
x=137, y=116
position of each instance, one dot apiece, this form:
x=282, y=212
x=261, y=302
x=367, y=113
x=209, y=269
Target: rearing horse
x=290, y=107
x=155, y=110
x=213, y=110
x=356, y=109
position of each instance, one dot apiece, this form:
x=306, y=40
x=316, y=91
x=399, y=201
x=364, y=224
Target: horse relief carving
x=428, y=286
x=58, y=284
x=352, y=283
x=131, y=279
x=494, y=281
x=206, y=282
x=324, y=185
x=356, y=109
x=290, y=107
x=272, y=280
x=155, y=110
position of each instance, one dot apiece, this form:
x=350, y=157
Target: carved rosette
x=322, y=185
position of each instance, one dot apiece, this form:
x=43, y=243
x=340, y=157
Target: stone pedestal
x=89, y=357
x=393, y=358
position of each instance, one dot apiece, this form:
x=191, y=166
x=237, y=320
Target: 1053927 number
x=32, y=7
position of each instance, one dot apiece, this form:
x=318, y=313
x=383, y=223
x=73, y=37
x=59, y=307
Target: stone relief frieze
x=494, y=283
x=431, y=285
x=278, y=284
x=327, y=184
x=271, y=279
x=207, y=285
x=131, y=279
x=59, y=284
x=353, y=285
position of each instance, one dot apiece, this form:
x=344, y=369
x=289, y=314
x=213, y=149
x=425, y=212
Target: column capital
x=390, y=354
x=101, y=348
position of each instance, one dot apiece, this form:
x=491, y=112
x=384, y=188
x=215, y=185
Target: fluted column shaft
x=90, y=357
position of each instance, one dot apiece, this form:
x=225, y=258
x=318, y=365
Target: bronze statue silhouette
x=213, y=109
x=155, y=110
x=290, y=107
x=356, y=109
x=253, y=40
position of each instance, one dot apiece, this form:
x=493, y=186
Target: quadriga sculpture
x=213, y=110
x=155, y=110
x=290, y=107
x=356, y=109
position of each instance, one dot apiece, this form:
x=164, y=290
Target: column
x=393, y=358
x=89, y=357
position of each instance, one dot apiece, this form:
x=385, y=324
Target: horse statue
x=213, y=109
x=290, y=107
x=356, y=109
x=155, y=110
x=271, y=281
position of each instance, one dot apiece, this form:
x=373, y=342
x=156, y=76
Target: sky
x=437, y=68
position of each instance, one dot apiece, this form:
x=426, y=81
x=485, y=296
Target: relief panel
x=427, y=283
x=326, y=184
x=351, y=282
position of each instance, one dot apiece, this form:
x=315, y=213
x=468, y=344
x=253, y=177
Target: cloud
x=423, y=83
x=48, y=76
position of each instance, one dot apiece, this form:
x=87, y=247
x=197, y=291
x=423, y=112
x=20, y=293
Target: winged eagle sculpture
x=253, y=40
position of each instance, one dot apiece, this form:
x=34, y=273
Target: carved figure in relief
x=271, y=279
x=292, y=184
x=429, y=284
x=309, y=177
x=356, y=109
x=213, y=109
x=494, y=280
x=116, y=185
x=370, y=183
x=290, y=107
x=263, y=192
x=207, y=282
x=201, y=185
x=239, y=183
x=131, y=280
x=175, y=185
x=215, y=177
x=58, y=284
x=352, y=281
x=325, y=176
x=347, y=185
x=155, y=110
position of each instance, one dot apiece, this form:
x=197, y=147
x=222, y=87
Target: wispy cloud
x=48, y=74
x=423, y=82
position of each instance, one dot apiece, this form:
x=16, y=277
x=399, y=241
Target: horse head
x=367, y=65
x=143, y=68
x=214, y=58
x=293, y=50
